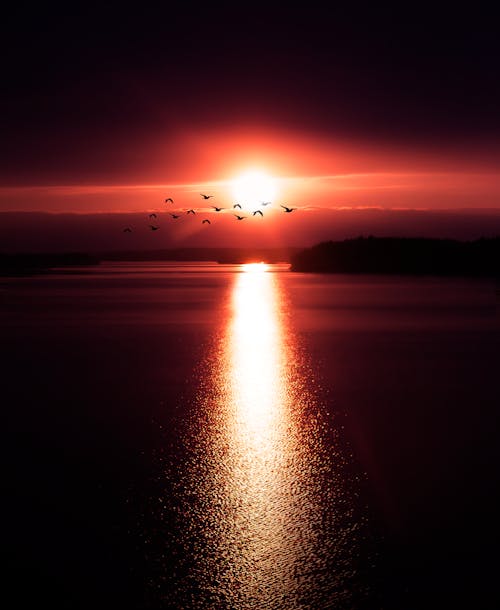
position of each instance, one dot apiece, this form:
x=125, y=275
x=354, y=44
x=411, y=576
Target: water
x=207, y=436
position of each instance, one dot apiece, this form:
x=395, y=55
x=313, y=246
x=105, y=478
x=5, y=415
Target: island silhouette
x=36, y=263
x=382, y=255
x=392, y=255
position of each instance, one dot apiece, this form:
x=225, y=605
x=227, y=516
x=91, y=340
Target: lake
x=195, y=435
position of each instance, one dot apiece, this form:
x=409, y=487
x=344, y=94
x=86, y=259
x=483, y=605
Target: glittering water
x=175, y=437
x=264, y=513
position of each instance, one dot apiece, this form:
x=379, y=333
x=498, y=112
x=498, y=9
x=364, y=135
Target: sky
x=110, y=110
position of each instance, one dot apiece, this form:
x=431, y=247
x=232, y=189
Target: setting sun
x=255, y=268
x=254, y=187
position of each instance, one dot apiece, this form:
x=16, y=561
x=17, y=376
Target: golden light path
x=261, y=441
x=265, y=519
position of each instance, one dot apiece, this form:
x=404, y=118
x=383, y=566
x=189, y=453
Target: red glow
x=320, y=178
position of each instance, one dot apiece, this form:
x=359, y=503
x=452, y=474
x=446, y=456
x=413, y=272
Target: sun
x=253, y=187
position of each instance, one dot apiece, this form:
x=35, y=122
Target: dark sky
x=97, y=93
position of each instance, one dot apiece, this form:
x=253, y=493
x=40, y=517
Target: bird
x=169, y=199
x=218, y=209
x=206, y=221
x=287, y=210
x=153, y=227
x=265, y=203
x=205, y=196
x=237, y=205
x=240, y=217
x=257, y=212
x=175, y=215
x=152, y=215
x=190, y=212
x=127, y=230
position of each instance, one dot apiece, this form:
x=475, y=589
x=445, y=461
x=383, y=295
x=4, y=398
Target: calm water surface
x=207, y=436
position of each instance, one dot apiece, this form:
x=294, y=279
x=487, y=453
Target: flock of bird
x=175, y=215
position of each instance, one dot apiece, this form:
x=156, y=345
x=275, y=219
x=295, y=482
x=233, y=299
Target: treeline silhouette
x=220, y=255
x=29, y=264
x=392, y=255
x=36, y=263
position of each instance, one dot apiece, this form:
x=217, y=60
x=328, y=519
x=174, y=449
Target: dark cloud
x=41, y=232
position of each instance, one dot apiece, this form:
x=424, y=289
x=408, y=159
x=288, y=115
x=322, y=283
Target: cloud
x=39, y=232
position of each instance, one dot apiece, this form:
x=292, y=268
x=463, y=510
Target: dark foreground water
x=204, y=436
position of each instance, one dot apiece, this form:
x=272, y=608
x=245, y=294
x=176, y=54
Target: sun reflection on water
x=255, y=359
x=257, y=436
x=264, y=521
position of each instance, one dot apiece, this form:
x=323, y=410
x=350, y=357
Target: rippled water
x=197, y=436
x=265, y=515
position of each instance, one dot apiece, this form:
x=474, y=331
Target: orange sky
x=309, y=173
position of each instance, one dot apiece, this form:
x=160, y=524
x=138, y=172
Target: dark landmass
x=31, y=264
x=219, y=255
x=388, y=255
x=411, y=256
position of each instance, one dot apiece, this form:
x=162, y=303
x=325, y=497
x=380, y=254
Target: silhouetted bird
x=175, y=215
x=153, y=228
x=240, y=217
x=206, y=221
x=218, y=209
x=169, y=199
x=127, y=230
x=237, y=205
x=152, y=215
x=190, y=212
x=205, y=196
x=287, y=210
x=265, y=202
x=257, y=212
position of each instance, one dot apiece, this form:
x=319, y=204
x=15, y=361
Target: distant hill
x=30, y=264
x=219, y=255
x=391, y=255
